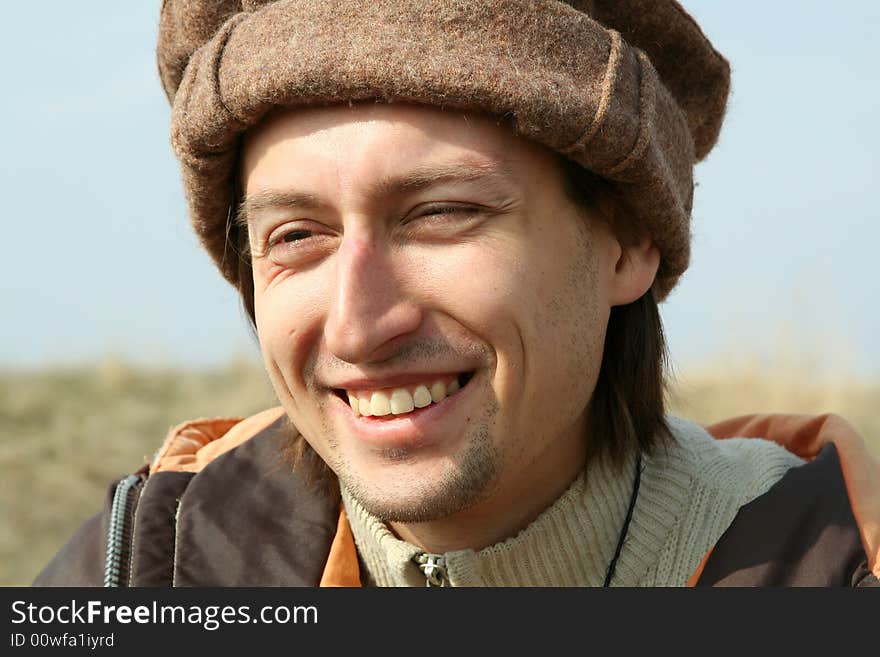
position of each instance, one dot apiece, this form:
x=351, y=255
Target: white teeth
x=380, y=404
x=363, y=407
x=421, y=397
x=401, y=400
x=438, y=391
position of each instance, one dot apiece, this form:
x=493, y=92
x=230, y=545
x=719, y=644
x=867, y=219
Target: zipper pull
x=433, y=566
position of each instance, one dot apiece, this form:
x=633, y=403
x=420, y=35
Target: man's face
x=400, y=252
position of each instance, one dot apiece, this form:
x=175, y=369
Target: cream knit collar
x=689, y=494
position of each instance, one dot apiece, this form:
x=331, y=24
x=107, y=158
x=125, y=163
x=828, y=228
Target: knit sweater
x=689, y=494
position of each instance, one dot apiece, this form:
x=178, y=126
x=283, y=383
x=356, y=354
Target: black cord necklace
x=632, y=505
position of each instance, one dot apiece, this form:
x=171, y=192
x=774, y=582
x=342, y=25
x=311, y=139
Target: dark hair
x=627, y=410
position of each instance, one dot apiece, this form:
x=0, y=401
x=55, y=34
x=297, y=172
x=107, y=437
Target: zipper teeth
x=120, y=510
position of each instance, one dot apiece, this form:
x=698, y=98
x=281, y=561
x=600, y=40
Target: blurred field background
x=784, y=235
x=66, y=433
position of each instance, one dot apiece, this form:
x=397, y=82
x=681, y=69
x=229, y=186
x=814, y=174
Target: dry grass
x=726, y=390
x=65, y=434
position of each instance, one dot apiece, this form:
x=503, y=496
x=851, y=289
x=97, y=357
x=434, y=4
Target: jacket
x=205, y=512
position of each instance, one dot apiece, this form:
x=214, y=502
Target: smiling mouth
x=394, y=402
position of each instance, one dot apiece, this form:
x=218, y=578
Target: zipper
x=115, y=571
x=433, y=567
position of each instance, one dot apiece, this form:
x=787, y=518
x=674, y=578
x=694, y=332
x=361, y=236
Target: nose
x=369, y=307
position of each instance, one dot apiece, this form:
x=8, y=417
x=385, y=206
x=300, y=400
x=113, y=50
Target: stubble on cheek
x=573, y=315
x=579, y=302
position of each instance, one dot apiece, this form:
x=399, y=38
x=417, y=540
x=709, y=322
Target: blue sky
x=100, y=260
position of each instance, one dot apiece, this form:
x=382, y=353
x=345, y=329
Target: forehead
x=381, y=140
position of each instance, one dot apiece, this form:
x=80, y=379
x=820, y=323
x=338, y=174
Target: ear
x=634, y=271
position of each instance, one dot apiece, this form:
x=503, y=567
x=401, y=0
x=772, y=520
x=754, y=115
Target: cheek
x=479, y=285
x=558, y=311
x=287, y=316
x=571, y=325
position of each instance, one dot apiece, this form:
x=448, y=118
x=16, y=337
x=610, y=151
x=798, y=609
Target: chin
x=409, y=489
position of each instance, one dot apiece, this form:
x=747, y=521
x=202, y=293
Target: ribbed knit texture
x=688, y=497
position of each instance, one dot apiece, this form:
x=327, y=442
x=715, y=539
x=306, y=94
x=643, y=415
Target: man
x=451, y=224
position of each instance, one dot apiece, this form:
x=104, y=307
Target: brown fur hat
x=630, y=89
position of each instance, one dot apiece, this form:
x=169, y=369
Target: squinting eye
x=442, y=221
x=299, y=242
x=448, y=209
x=289, y=237
x=295, y=236
x=285, y=242
x=451, y=211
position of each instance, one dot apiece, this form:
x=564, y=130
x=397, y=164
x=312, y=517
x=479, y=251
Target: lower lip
x=420, y=428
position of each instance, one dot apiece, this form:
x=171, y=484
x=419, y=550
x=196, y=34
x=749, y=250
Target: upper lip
x=397, y=380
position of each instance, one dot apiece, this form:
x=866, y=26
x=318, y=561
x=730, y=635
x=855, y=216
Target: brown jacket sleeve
x=801, y=532
x=807, y=436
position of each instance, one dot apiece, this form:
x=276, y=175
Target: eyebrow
x=268, y=199
x=417, y=179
